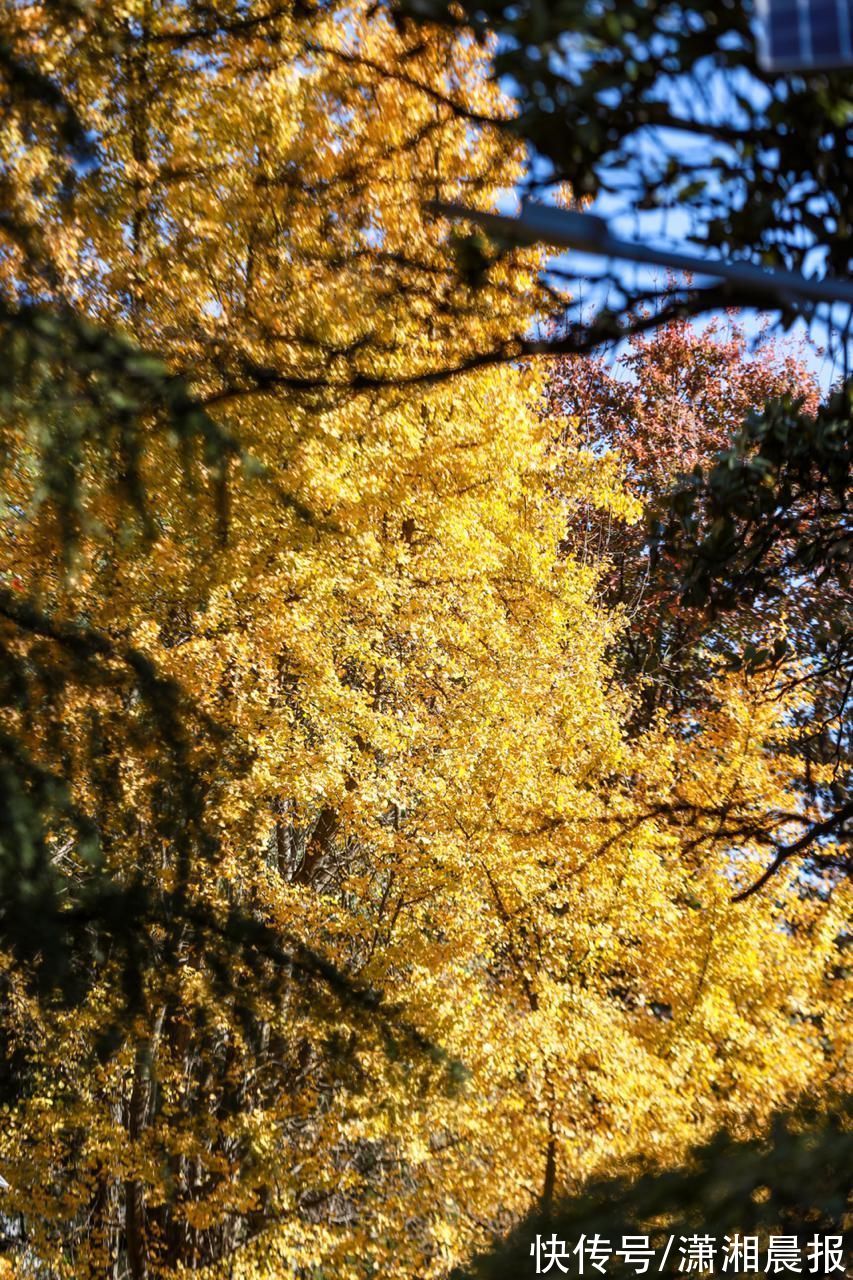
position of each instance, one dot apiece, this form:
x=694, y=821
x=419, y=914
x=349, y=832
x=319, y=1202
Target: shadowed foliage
x=794, y=1183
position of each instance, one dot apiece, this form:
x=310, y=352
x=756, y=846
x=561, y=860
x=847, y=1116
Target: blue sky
x=706, y=94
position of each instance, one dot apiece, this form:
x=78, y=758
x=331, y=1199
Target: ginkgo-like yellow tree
x=426, y=776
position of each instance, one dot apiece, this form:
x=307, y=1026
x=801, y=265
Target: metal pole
x=571, y=230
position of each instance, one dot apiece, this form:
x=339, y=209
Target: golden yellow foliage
x=440, y=794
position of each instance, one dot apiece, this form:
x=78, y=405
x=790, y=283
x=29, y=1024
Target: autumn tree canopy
x=388, y=907
x=743, y=552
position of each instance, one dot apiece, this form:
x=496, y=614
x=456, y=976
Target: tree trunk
x=140, y=1101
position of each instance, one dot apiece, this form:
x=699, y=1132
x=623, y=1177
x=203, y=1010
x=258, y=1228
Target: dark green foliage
x=767, y=528
x=87, y=402
x=27, y=90
x=78, y=407
x=661, y=105
x=64, y=913
x=794, y=1183
x=775, y=504
x=60, y=909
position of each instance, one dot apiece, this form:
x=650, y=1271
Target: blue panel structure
x=805, y=35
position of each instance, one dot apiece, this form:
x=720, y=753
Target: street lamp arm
x=569, y=229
